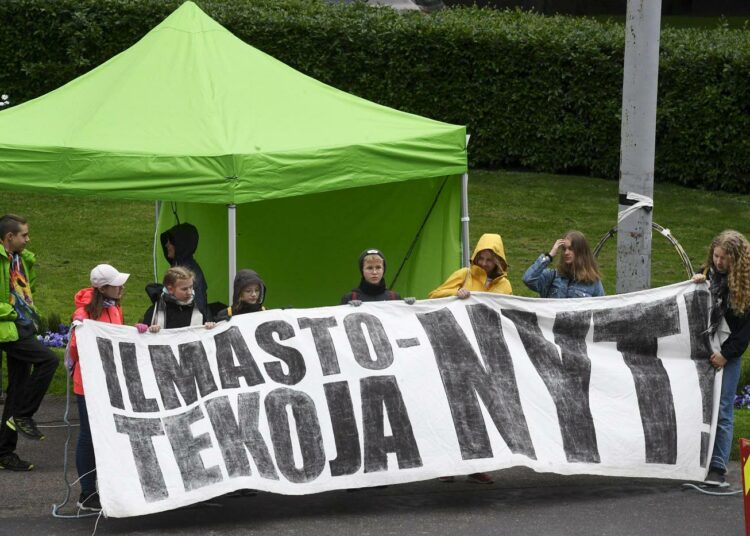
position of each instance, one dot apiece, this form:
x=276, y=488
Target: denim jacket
x=550, y=284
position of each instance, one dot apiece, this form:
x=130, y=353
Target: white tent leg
x=465, y=214
x=465, y=219
x=154, y=253
x=232, y=241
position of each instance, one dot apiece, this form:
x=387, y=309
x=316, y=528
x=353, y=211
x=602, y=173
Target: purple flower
x=54, y=339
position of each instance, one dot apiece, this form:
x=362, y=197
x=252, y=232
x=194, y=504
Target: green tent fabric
x=190, y=114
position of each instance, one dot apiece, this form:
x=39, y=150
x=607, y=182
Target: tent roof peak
x=189, y=17
x=190, y=105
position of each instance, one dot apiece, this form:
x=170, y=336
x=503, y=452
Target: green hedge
x=535, y=92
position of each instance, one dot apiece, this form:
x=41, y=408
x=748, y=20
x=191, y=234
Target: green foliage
x=744, y=375
x=536, y=92
x=53, y=321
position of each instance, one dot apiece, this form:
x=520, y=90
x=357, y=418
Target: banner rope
x=69, y=485
x=702, y=489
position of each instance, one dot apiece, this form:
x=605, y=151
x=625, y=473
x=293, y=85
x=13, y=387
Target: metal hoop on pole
x=662, y=231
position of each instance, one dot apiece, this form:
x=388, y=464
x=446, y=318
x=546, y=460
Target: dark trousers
x=31, y=366
x=85, y=460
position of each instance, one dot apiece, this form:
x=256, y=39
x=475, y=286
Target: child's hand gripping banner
x=309, y=400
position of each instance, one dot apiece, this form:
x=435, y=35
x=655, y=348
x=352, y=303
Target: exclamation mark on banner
x=700, y=351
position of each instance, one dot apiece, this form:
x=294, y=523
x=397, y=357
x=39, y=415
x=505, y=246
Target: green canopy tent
x=278, y=171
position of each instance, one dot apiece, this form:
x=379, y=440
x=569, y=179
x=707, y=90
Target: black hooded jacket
x=739, y=325
x=242, y=280
x=176, y=315
x=184, y=238
x=367, y=292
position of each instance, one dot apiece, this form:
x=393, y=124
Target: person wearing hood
x=101, y=302
x=179, y=244
x=488, y=272
x=371, y=287
x=174, y=304
x=247, y=297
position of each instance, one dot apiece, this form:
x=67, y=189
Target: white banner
x=308, y=400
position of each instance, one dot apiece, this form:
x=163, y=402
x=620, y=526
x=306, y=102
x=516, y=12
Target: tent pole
x=157, y=215
x=465, y=219
x=465, y=213
x=232, y=241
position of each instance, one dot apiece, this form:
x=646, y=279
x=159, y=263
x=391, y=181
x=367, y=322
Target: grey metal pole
x=232, y=243
x=638, y=134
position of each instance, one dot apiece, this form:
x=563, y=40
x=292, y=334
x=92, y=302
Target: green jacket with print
x=8, y=315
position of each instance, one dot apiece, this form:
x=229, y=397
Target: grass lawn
x=530, y=210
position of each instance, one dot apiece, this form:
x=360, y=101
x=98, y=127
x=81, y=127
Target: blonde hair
x=175, y=274
x=584, y=267
x=737, y=248
x=372, y=257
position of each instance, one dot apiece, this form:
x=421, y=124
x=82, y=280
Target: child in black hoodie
x=372, y=284
x=179, y=244
x=247, y=297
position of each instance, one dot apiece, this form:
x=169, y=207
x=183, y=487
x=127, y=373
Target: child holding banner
x=174, y=302
x=576, y=276
x=728, y=270
x=488, y=273
x=372, y=284
x=101, y=302
x=248, y=295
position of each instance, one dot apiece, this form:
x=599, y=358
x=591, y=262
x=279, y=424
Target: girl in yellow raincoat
x=488, y=272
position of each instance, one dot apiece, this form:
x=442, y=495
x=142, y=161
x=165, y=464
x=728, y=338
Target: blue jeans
x=725, y=422
x=85, y=461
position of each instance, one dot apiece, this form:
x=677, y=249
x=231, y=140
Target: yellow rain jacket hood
x=494, y=243
x=474, y=278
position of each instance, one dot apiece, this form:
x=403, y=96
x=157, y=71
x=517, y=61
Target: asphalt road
x=520, y=502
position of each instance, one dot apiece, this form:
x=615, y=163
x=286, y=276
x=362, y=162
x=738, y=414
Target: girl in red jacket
x=99, y=302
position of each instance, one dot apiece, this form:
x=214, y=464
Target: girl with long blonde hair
x=728, y=270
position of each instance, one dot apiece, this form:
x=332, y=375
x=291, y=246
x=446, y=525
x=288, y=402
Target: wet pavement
x=520, y=502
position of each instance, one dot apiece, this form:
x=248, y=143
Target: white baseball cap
x=104, y=274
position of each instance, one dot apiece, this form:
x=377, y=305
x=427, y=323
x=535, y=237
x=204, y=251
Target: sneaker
x=26, y=427
x=89, y=502
x=479, y=478
x=447, y=479
x=716, y=479
x=12, y=462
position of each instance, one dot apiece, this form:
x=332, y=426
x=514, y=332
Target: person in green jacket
x=31, y=365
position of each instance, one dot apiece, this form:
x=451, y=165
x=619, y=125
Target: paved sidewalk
x=521, y=502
